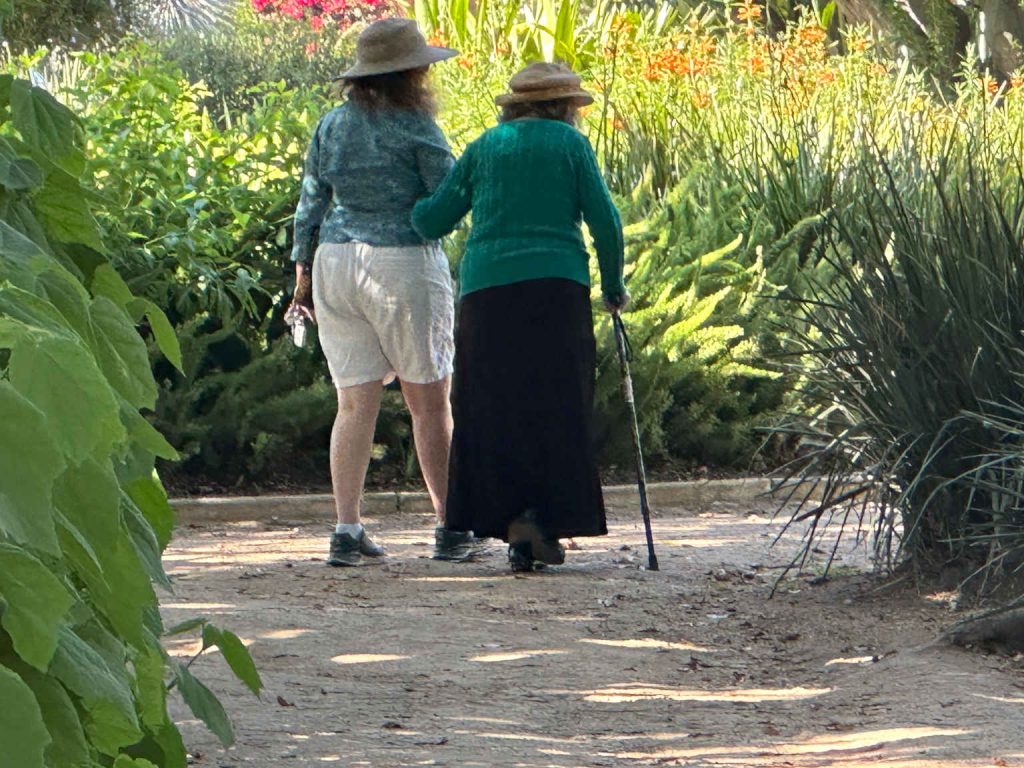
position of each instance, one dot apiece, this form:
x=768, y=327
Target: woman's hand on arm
x=435, y=216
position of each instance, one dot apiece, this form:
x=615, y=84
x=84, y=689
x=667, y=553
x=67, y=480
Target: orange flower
x=438, y=41
x=860, y=44
x=811, y=35
x=706, y=46
x=672, y=61
x=827, y=76
x=1016, y=81
x=701, y=100
x=756, y=64
x=990, y=84
x=622, y=24
x=749, y=12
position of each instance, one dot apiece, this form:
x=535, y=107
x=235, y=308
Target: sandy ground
x=594, y=663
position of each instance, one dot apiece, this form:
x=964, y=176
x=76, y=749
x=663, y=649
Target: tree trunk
x=935, y=32
x=1003, y=34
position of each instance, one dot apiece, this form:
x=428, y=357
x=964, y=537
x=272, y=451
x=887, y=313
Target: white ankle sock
x=352, y=529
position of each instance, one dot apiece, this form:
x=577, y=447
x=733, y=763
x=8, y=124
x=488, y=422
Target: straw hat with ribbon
x=544, y=82
x=393, y=45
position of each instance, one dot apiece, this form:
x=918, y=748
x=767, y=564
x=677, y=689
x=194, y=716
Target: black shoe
x=347, y=549
x=520, y=557
x=544, y=548
x=368, y=547
x=456, y=546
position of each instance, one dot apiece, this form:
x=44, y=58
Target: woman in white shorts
x=382, y=294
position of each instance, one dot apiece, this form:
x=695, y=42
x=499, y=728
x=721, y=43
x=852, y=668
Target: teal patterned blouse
x=364, y=172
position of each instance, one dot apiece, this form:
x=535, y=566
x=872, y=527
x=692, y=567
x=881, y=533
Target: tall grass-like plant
x=912, y=351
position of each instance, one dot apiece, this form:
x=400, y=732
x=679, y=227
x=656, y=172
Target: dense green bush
x=29, y=23
x=239, y=62
x=700, y=144
x=911, y=358
x=83, y=516
x=196, y=214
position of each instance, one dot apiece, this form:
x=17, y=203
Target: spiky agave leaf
x=169, y=16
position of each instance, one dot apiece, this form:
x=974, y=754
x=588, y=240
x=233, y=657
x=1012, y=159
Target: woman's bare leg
x=431, y=412
x=351, y=444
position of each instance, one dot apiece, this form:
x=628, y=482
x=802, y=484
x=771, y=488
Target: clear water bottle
x=299, y=331
x=297, y=320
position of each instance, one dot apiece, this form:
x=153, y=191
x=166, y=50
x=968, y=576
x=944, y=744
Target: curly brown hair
x=565, y=110
x=406, y=90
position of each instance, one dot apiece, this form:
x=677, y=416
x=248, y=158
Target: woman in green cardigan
x=523, y=465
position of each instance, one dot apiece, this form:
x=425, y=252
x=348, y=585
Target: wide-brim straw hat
x=393, y=45
x=544, y=82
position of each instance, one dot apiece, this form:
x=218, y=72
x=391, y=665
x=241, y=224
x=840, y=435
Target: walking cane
x=625, y=353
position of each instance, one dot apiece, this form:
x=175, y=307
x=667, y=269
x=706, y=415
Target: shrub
x=239, y=63
x=83, y=516
x=912, y=349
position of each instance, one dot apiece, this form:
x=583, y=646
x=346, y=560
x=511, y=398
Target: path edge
x=695, y=495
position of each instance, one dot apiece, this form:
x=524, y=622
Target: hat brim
x=424, y=57
x=579, y=97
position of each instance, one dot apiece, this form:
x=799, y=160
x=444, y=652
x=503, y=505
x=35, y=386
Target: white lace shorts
x=383, y=312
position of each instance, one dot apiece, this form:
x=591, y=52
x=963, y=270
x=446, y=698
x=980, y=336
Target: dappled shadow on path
x=595, y=663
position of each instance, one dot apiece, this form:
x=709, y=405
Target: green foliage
x=193, y=214
x=700, y=388
x=912, y=351
x=239, y=63
x=83, y=518
x=29, y=23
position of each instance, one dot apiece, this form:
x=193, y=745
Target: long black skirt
x=523, y=400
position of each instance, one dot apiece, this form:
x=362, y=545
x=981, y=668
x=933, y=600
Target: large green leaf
x=21, y=217
x=235, y=654
x=108, y=706
x=45, y=125
x=17, y=246
x=124, y=761
x=107, y=282
x=32, y=314
x=68, y=747
x=46, y=368
x=35, y=602
x=65, y=210
x=30, y=461
x=88, y=496
x=204, y=705
x=151, y=499
x=69, y=298
x=163, y=332
x=146, y=545
x=23, y=735
x=145, y=435
x=19, y=173
x=150, y=686
x=120, y=590
x=162, y=745
x=186, y=626
x=122, y=353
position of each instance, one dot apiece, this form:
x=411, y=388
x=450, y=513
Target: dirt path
x=595, y=663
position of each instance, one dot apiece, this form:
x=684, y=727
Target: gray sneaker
x=456, y=546
x=348, y=550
